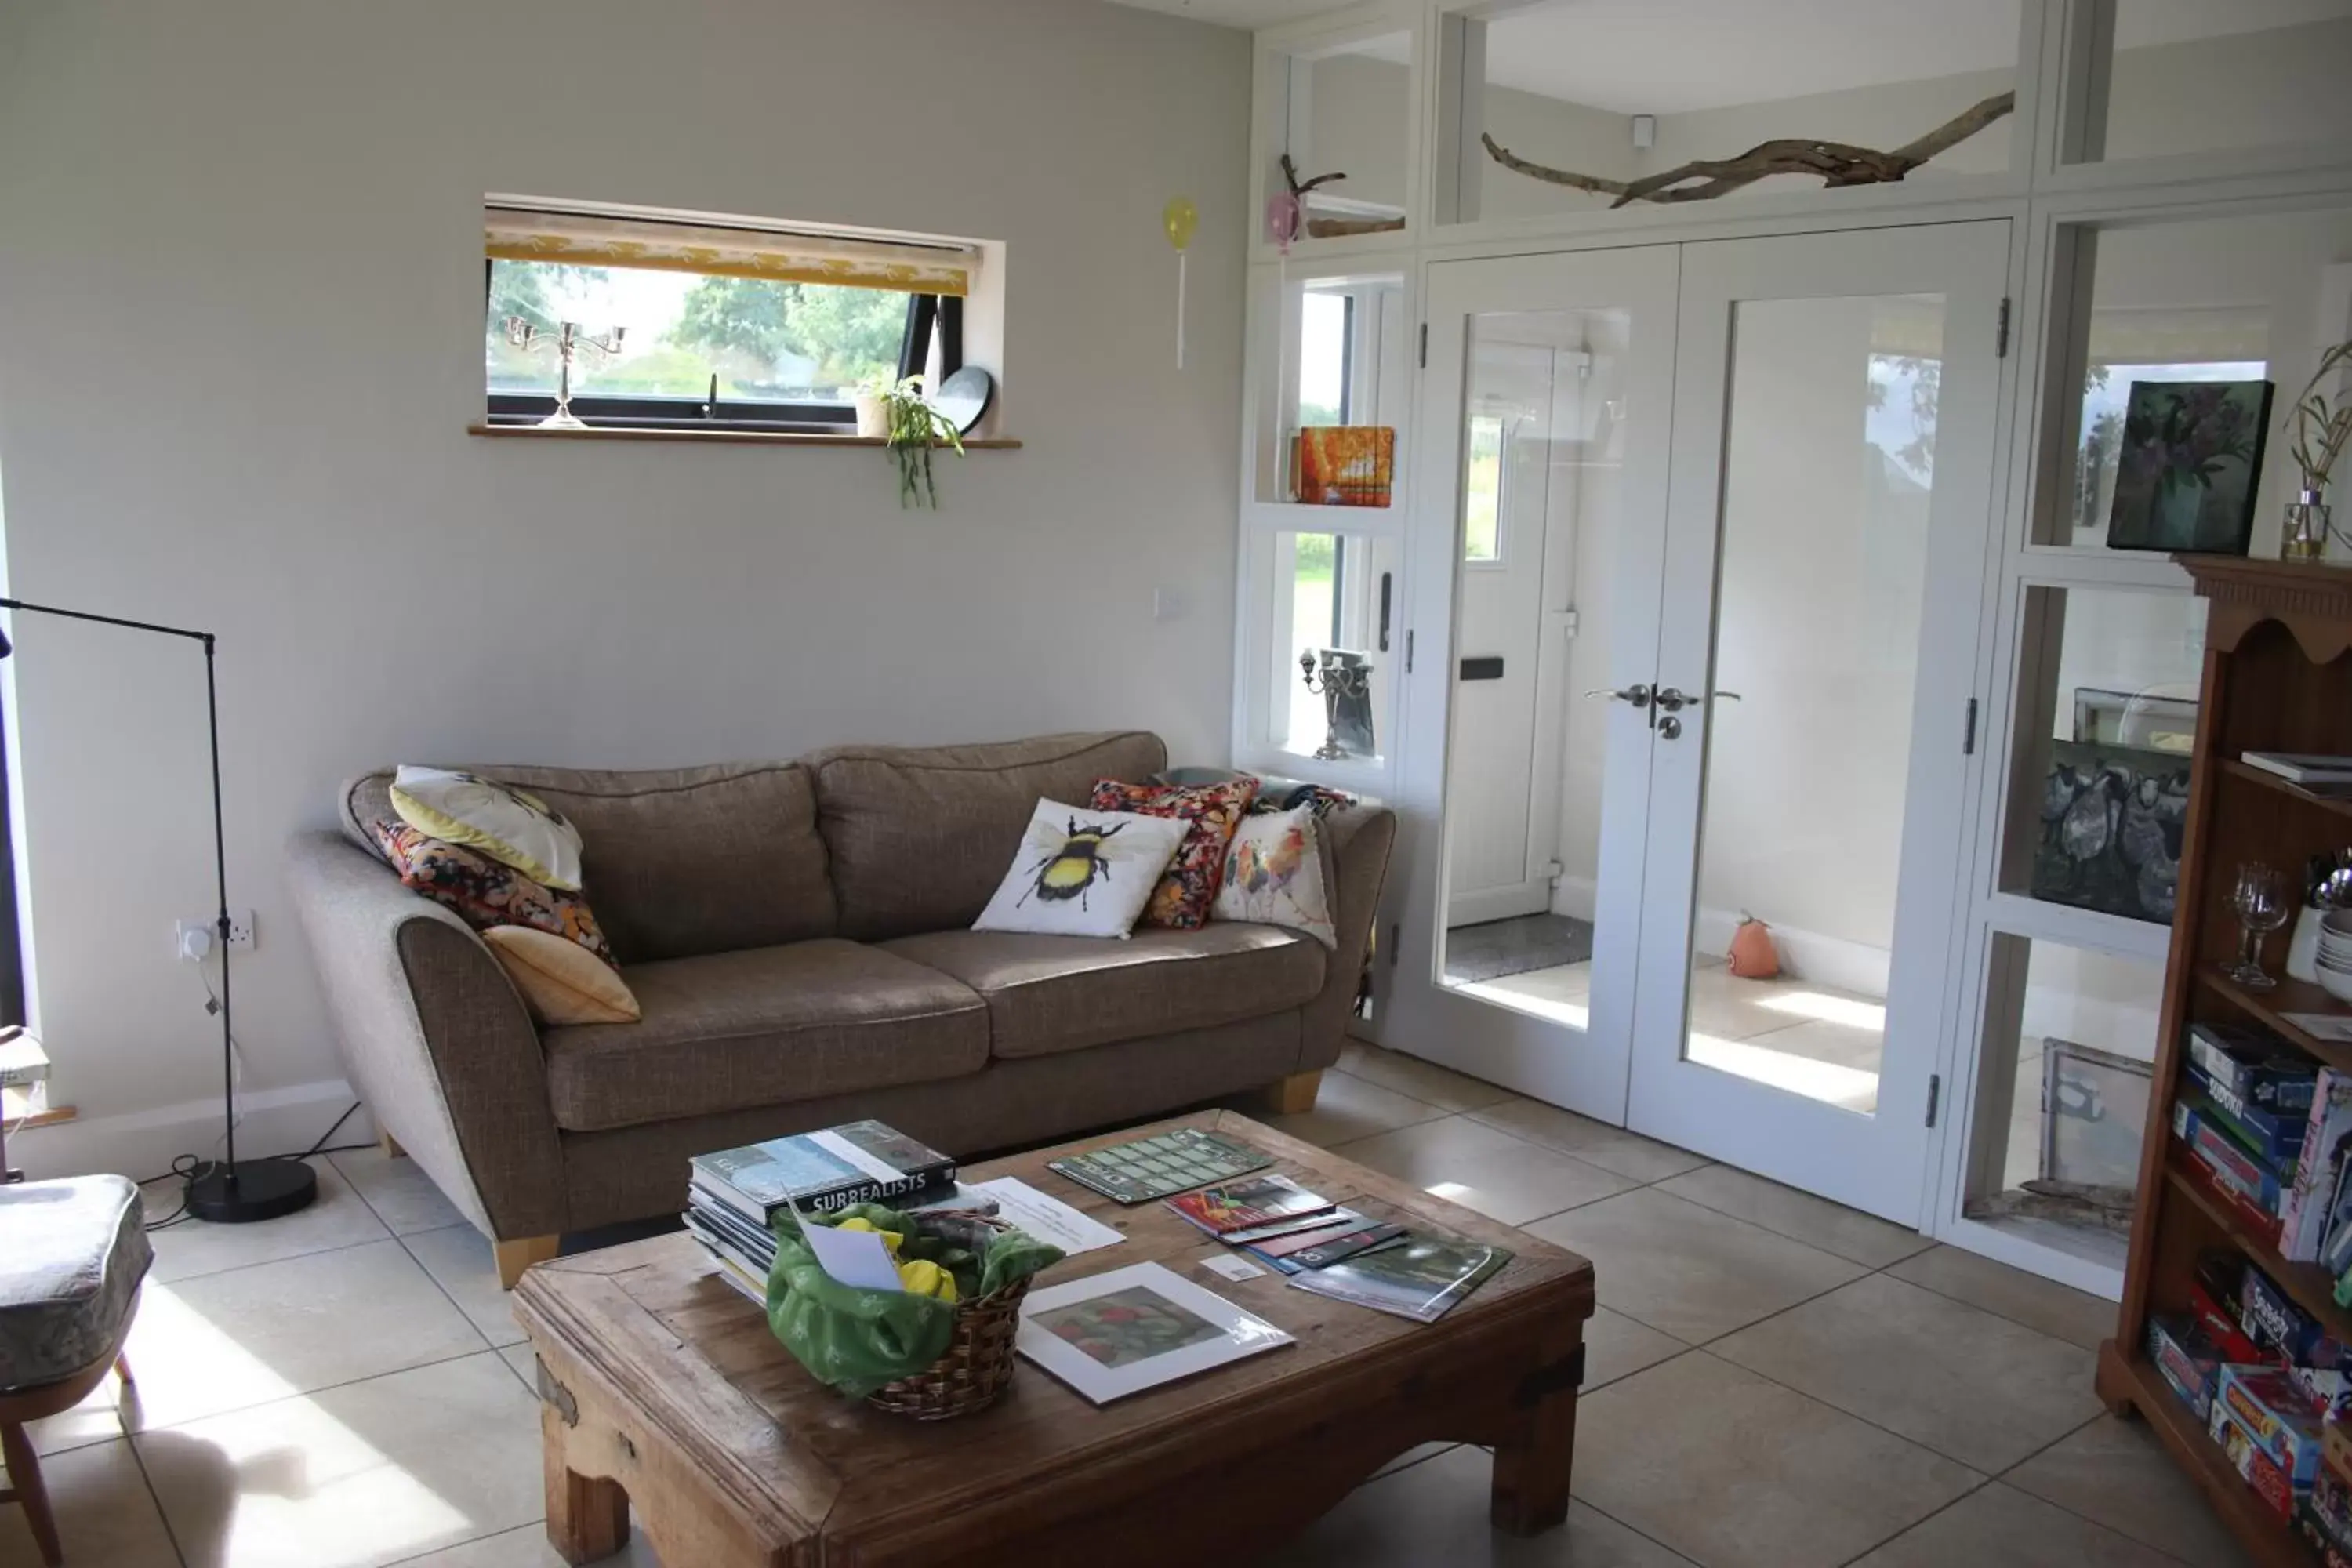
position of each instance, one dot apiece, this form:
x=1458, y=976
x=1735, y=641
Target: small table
x=662, y=1387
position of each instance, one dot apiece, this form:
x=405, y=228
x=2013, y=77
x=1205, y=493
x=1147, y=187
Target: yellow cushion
x=563, y=982
x=511, y=826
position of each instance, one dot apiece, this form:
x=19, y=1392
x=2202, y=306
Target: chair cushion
x=919, y=837
x=733, y=1030
x=1051, y=993
x=72, y=1254
x=680, y=861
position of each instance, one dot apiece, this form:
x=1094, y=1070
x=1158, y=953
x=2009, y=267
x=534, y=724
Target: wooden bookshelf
x=2277, y=678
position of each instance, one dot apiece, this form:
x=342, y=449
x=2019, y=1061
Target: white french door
x=1826, y=542
x=1769, y=513
x=1570, y=481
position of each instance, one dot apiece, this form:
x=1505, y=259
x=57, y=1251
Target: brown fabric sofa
x=797, y=935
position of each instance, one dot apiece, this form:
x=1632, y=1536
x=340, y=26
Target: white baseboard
x=1573, y=897
x=144, y=1143
x=1804, y=954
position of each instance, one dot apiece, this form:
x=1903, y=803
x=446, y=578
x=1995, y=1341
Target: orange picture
x=1346, y=464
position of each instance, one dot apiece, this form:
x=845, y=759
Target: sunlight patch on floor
x=1851, y=1011
x=1844, y=1086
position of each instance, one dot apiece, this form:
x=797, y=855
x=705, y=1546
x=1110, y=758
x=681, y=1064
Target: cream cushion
x=560, y=981
x=1080, y=872
x=508, y=824
x=1273, y=874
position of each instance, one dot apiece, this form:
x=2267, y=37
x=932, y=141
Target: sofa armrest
x=1360, y=837
x=434, y=1036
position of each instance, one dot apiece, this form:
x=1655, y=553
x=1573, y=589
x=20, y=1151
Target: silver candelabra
x=1341, y=680
x=567, y=342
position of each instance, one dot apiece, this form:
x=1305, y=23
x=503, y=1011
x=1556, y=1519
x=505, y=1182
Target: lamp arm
x=205, y=638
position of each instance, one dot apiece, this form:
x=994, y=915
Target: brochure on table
x=1136, y=1327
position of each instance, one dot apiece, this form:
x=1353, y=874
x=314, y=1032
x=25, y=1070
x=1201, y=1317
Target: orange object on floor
x=1752, y=956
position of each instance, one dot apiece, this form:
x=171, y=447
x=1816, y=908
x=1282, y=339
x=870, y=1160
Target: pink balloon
x=1283, y=216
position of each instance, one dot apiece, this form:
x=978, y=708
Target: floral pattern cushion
x=484, y=892
x=1188, y=889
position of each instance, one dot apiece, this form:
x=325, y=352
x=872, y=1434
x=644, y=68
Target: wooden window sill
x=756, y=437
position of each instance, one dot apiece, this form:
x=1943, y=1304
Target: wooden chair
x=72, y=1254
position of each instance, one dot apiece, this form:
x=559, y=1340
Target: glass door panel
x=1829, y=464
x=1833, y=458
x=1536, y=554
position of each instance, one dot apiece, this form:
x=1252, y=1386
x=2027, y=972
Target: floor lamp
x=226, y=1191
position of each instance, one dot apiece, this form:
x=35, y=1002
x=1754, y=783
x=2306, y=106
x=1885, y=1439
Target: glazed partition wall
x=2173, y=177
x=2151, y=316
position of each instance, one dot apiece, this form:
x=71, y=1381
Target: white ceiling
x=1672, y=57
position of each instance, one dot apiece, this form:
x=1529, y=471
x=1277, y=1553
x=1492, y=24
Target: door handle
x=1637, y=696
x=1673, y=700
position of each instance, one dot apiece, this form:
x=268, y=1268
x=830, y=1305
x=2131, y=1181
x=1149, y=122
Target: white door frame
x=1520, y=1050
x=1878, y=1161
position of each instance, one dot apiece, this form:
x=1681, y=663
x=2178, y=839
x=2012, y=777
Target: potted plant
x=2322, y=427
x=912, y=428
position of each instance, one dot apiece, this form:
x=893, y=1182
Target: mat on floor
x=1515, y=946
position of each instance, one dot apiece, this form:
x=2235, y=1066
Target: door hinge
x=1424, y=345
x=2000, y=335
x=1408, y=652
x=1968, y=731
x=1935, y=1095
x=1553, y=871
x=1396, y=943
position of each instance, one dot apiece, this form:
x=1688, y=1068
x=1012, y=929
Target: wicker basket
x=978, y=1364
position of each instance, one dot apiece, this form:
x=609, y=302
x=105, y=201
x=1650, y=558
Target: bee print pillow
x=1082, y=872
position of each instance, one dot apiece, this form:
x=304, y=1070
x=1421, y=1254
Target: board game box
x=1154, y=1167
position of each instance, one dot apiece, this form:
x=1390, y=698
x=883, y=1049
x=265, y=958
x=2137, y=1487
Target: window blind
x=589, y=239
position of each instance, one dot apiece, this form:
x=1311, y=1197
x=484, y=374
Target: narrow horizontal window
x=594, y=319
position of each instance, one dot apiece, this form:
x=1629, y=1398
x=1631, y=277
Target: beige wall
x=240, y=339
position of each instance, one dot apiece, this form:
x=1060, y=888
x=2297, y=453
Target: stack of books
x=736, y=1194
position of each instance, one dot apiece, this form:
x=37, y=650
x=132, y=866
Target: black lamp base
x=250, y=1190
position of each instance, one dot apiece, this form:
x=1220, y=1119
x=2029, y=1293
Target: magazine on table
x=1423, y=1276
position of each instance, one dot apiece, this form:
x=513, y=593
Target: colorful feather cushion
x=1274, y=875
x=1188, y=889
x=1081, y=872
x=547, y=941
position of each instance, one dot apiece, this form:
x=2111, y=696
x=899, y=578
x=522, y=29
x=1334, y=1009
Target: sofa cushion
x=1052, y=994
x=920, y=836
x=680, y=862
x=730, y=1030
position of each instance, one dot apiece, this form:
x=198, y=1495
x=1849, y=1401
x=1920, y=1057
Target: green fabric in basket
x=856, y=1341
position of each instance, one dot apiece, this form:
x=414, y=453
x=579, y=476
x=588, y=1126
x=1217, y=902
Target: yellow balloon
x=1181, y=219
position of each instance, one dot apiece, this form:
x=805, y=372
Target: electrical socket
x=193, y=940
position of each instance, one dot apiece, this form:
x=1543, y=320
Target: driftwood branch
x=1330, y=228
x=1836, y=163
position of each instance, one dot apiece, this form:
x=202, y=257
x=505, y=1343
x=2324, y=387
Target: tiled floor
x=1772, y=1380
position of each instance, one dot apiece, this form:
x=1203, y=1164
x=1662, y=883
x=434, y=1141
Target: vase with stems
x=2321, y=425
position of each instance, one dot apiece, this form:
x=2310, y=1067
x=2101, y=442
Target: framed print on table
x=1136, y=1327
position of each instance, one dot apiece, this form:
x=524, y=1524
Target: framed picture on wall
x=2188, y=463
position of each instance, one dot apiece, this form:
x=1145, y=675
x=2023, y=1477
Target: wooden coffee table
x=662, y=1387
